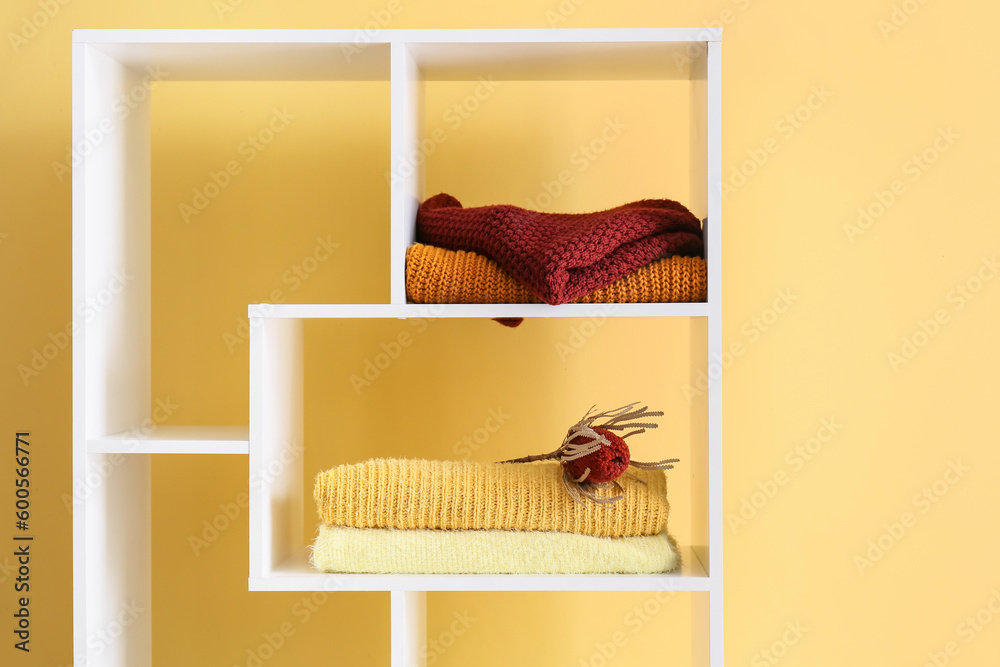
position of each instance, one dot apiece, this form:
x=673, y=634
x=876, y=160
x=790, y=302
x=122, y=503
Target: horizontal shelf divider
x=163, y=439
x=538, y=54
x=296, y=574
x=416, y=35
x=488, y=310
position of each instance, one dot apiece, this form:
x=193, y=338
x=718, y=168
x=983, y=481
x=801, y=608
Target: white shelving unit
x=111, y=353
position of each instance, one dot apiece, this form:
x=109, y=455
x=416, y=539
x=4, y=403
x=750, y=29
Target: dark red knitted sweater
x=562, y=256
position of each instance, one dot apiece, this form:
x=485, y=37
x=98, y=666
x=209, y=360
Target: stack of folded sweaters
x=645, y=251
x=413, y=516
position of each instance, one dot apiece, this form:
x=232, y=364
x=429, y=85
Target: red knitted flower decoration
x=594, y=458
x=606, y=464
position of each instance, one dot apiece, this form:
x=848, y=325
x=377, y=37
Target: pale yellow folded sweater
x=381, y=550
x=465, y=495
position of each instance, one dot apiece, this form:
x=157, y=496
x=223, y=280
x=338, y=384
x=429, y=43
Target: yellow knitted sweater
x=464, y=495
x=376, y=550
x=436, y=275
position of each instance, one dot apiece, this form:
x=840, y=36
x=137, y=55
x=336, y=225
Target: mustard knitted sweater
x=464, y=495
x=436, y=275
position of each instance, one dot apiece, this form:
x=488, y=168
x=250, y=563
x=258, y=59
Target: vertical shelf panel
x=699, y=465
x=276, y=431
x=713, y=255
x=701, y=351
x=702, y=631
x=114, y=263
x=409, y=628
x=406, y=171
x=111, y=388
x=700, y=192
x=117, y=589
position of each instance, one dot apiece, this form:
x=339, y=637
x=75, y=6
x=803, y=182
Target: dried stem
x=537, y=457
x=666, y=464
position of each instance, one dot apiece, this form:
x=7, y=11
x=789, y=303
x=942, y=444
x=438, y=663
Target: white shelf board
x=552, y=61
x=338, y=55
x=175, y=440
x=488, y=310
x=263, y=61
x=188, y=37
x=296, y=574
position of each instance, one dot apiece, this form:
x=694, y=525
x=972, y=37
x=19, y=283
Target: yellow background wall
x=887, y=82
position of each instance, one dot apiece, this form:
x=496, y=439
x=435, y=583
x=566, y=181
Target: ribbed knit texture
x=465, y=495
x=563, y=256
x=381, y=550
x=438, y=275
